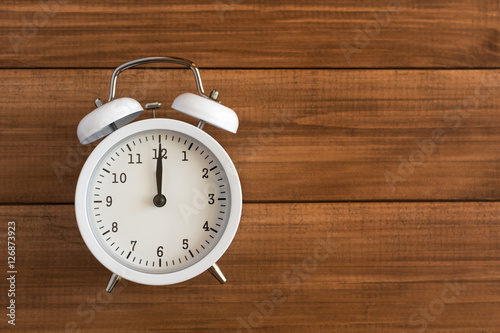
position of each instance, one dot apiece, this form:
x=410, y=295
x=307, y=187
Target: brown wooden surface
x=386, y=261
x=317, y=132
x=251, y=33
x=305, y=135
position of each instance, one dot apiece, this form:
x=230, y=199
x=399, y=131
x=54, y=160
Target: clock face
x=133, y=226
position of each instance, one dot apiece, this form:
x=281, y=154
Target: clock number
x=205, y=173
x=123, y=178
x=211, y=199
x=159, y=251
x=133, y=244
x=131, y=159
x=163, y=153
x=114, y=227
x=109, y=201
x=184, y=158
x=185, y=244
x=205, y=226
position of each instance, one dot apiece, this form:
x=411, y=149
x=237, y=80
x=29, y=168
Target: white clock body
x=138, y=240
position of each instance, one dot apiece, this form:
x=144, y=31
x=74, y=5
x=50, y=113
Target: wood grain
x=385, y=261
x=394, y=106
x=305, y=135
x=252, y=34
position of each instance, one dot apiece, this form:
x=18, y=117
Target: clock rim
x=83, y=186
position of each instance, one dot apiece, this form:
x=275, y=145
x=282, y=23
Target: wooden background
x=368, y=150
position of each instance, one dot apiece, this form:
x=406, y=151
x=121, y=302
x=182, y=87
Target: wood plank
x=252, y=33
x=385, y=264
x=305, y=135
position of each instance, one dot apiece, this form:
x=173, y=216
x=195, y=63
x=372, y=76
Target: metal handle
x=173, y=60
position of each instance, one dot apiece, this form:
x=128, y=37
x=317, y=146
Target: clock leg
x=115, y=278
x=217, y=273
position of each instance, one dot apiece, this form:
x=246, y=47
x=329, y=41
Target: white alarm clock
x=158, y=201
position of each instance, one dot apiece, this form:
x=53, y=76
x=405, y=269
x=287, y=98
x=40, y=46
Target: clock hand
x=159, y=200
x=159, y=169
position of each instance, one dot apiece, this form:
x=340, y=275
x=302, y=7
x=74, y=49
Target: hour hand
x=159, y=200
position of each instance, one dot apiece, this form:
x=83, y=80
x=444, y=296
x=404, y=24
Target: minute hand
x=159, y=170
x=159, y=200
